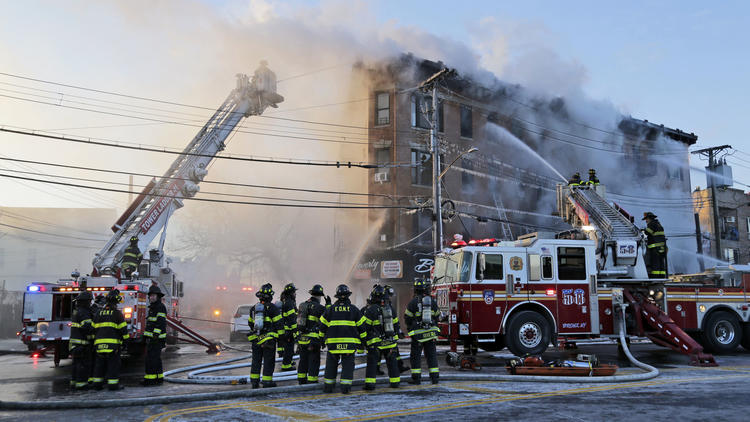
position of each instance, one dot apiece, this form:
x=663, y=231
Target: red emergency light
x=551, y=292
x=130, y=287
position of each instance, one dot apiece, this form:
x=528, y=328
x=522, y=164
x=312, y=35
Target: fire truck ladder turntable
x=583, y=205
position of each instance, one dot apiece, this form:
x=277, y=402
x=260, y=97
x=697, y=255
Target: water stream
x=505, y=135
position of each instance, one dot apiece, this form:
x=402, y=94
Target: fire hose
x=196, y=370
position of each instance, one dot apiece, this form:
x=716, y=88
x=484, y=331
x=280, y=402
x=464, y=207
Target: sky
x=680, y=63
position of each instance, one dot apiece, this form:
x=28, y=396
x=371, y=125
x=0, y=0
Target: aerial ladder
x=620, y=262
x=151, y=210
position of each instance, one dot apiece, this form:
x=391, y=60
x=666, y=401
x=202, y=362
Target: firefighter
x=156, y=335
x=81, y=341
x=575, y=180
x=593, y=180
x=390, y=293
x=111, y=331
x=656, y=247
x=265, y=328
x=381, y=325
x=132, y=258
x=309, y=340
x=421, y=321
x=342, y=329
x=289, y=318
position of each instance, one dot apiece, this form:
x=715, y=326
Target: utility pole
x=437, y=218
x=711, y=153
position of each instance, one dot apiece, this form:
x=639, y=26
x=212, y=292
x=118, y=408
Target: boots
x=434, y=377
x=395, y=384
x=328, y=388
x=346, y=389
x=269, y=384
x=370, y=386
x=302, y=381
x=416, y=379
x=254, y=384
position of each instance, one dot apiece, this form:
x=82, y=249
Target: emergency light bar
x=474, y=242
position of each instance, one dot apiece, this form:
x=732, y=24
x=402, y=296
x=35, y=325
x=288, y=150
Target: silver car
x=239, y=329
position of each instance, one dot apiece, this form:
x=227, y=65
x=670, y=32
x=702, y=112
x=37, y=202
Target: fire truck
x=549, y=287
x=49, y=306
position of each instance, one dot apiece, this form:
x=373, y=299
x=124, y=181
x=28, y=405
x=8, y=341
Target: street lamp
x=438, y=240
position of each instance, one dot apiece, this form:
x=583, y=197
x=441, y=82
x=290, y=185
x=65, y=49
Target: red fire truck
x=543, y=287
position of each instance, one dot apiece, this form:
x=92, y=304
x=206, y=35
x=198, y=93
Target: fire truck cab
x=518, y=294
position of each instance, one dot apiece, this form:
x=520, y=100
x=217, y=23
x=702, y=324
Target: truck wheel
x=528, y=333
x=722, y=332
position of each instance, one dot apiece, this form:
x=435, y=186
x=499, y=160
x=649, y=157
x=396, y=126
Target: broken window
x=466, y=122
x=382, y=108
x=420, y=112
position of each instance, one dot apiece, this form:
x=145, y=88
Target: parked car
x=239, y=329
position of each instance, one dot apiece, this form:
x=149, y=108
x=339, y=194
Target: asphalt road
x=682, y=393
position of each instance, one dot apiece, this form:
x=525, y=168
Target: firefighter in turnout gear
x=265, y=328
x=289, y=318
x=421, y=321
x=156, y=336
x=111, y=331
x=390, y=292
x=382, y=329
x=342, y=329
x=309, y=339
x=593, y=180
x=575, y=180
x=82, y=341
x=132, y=258
x=656, y=247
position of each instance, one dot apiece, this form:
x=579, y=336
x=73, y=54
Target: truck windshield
x=452, y=268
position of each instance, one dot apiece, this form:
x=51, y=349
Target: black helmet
x=342, y=291
x=84, y=297
x=113, y=296
x=265, y=293
x=154, y=289
x=317, y=290
x=290, y=288
x=389, y=291
x=378, y=293
x=648, y=214
x=421, y=286
x=134, y=239
x=100, y=300
x=592, y=171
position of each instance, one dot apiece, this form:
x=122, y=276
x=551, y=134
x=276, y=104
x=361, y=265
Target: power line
x=4, y=212
x=284, y=188
x=50, y=234
x=89, y=141
x=214, y=200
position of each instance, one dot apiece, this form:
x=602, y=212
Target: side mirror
x=482, y=265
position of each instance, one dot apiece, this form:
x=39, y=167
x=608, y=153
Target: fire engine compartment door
x=37, y=306
x=573, y=291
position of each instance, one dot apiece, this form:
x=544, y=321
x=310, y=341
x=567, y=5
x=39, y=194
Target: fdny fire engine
x=48, y=307
x=550, y=287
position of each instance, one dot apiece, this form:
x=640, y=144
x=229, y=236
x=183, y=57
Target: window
x=464, y=267
x=571, y=263
x=534, y=267
x=421, y=173
x=420, y=112
x=493, y=267
x=748, y=229
x=467, y=178
x=547, y=267
x=674, y=173
x=731, y=255
x=466, y=122
x=382, y=108
x=451, y=268
x=383, y=155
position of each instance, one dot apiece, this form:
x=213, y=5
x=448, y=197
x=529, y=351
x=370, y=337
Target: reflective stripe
x=286, y=366
x=654, y=245
x=96, y=379
x=658, y=272
x=254, y=376
x=370, y=380
x=80, y=384
x=157, y=330
x=408, y=313
x=152, y=319
x=150, y=376
x=345, y=382
x=395, y=379
x=312, y=318
x=108, y=324
x=113, y=381
x=300, y=375
x=107, y=341
x=163, y=335
x=77, y=341
x=361, y=321
x=161, y=314
x=338, y=323
x=324, y=321
x=267, y=378
x=416, y=371
x=341, y=352
x=342, y=340
x=329, y=381
x=160, y=375
x=276, y=318
x=312, y=378
x=289, y=312
x=434, y=370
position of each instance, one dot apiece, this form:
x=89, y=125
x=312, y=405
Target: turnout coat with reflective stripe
x=311, y=331
x=82, y=327
x=131, y=258
x=272, y=324
x=342, y=327
x=111, y=329
x=413, y=318
x=376, y=336
x=289, y=316
x=655, y=236
x=156, y=322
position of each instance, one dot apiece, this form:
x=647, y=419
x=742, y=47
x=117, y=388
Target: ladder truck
x=48, y=306
x=558, y=287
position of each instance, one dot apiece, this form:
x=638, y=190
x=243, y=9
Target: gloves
x=328, y=300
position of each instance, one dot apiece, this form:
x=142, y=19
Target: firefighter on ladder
x=289, y=318
x=421, y=321
x=656, y=247
x=111, y=331
x=266, y=327
x=575, y=180
x=156, y=335
x=81, y=342
x=132, y=258
x=382, y=334
x=593, y=180
x=342, y=328
x=309, y=340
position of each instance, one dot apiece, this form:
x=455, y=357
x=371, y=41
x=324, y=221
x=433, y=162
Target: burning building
x=528, y=142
